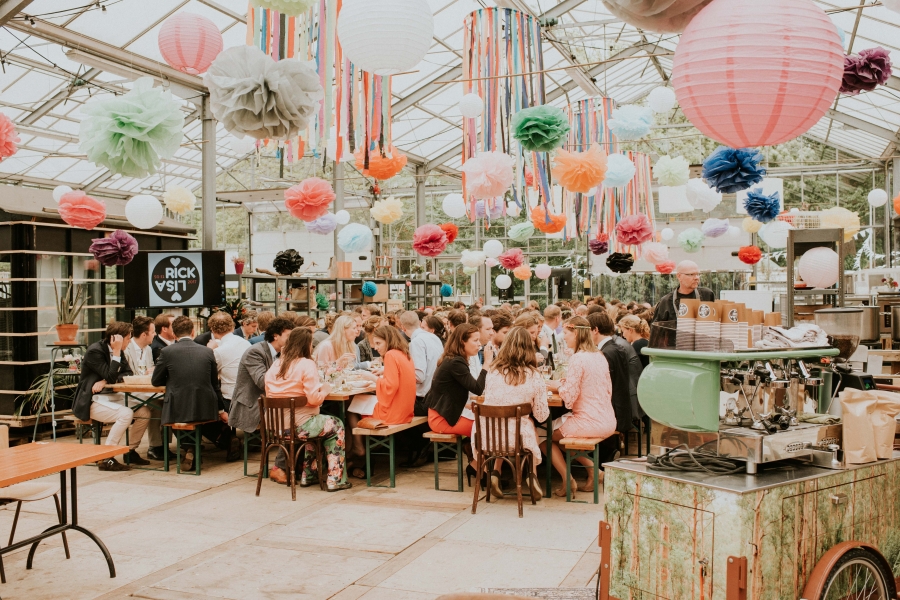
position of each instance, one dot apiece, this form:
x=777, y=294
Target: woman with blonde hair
x=637, y=333
x=587, y=392
x=532, y=324
x=340, y=347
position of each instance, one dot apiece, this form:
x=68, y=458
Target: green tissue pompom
x=691, y=239
x=520, y=232
x=540, y=129
x=322, y=301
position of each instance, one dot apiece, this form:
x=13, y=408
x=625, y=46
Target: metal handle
x=838, y=499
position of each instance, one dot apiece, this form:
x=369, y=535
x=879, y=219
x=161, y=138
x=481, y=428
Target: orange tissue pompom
x=749, y=255
x=80, y=210
x=539, y=220
x=580, y=172
x=381, y=167
x=451, y=230
x=309, y=199
x=523, y=272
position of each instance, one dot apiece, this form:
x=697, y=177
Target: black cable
x=697, y=460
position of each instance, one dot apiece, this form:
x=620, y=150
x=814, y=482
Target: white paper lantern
x=734, y=232
x=144, y=212
x=667, y=234
x=471, y=106
x=342, y=216
x=385, y=37
x=513, y=210
x=673, y=200
x=472, y=258
x=454, y=206
x=542, y=271
x=60, y=191
x=893, y=5
x=775, y=234
x=661, y=99
x=503, y=282
x=493, y=248
x=878, y=197
x=819, y=267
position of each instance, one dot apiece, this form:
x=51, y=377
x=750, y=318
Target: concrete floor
x=176, y=537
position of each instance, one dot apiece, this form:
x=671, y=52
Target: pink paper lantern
x=757, y=72
x=189, y=42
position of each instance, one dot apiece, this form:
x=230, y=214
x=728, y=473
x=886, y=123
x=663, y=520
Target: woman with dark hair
x=295, y=374
x=433, y=324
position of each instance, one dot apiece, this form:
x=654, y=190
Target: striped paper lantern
x=189, y=42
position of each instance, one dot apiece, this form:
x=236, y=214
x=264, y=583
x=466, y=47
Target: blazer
x=97, y=365
x=191, y=377
x=204, y=338
x=249, y=385
x=635, y=368
x=156, y=346
x=621, y=385
x=450, y=388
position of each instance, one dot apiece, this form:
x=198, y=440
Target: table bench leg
x=391, y=458
x=368, y=463
x=549, y=468
x=437, y=476
x=167, y=435
x=459, y=464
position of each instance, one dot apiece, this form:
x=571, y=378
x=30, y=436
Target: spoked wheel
x=851, y=571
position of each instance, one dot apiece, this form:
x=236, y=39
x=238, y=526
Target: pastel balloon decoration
x=749, y=255
x=839, y=217
x=80, y=210
x=324, y=225
x=540, y=128
x=60, y=191
x=472, y=258
x=446, y=290
x=513, y=209
x=733, y=231
x=178, y=199
x=355, y=237
x=664, y=268
x=144, y=212
x=451, y=230
x=775, y=234
x=9, y=138
x=520, y=232
x=634, y=229
x=470, y=270
x=543, y=271
x=471, y=106
x=491, y=263
x=631, y=122
x=599, y=245
x=493, y=248
x=655, y=253
x=877, y=197
x=429, y=240
x=714, y=228
x=701, y=196
x=387, y=211
x=672, y=171
x=865, y=71
x=547, y=222
x=691, y=240
x=503, y=281
x=385, y=37
x=512, y=259
x=619, y=170
x=369, y=289
x=751, y=225
x=309, y=199
x=819, y=267
x=189, y=42
x=381, y=167
x=731, y=170
x=757, y=72
x=117, y=250
x=454, y=206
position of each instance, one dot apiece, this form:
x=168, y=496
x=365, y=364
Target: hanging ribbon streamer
x=634, y=198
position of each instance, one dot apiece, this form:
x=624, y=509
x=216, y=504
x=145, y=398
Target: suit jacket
x=156, y=346
x=97, y=365
x=249, y=386
x=635, y=368
x=204, y=338
x=621, y=385
x=191, y=377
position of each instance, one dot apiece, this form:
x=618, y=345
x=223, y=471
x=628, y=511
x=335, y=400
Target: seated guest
x=532, y=324
x=425, y=349
x=587, y=392
x=322, y=334
x=306, y=321
x=366, y=352
x=190, y=375
x=228, y=350
x=263, y=320
x=103, y=366
x=502, y=322
x=249, y=325
x=140, y=360
x=164, y=336
x=433, y=324
x=295, y=374
x=602, y=331
x=340, y=346
x=637, y=333
x=455, y=318
x=486, y=333
x=513, y=379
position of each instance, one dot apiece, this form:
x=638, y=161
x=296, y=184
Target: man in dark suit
x=602, y=331
x=249, y=325
x=190, y=375
x=164, y=336
x=635, y=368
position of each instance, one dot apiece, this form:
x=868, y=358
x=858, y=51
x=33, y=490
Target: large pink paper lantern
x=757, y=72
x=189, y=42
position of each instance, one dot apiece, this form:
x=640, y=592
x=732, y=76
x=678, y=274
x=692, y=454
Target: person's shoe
x=235, y=452
x=187, y=461
x=135, y=459
x=495, y=485
x=111, y=464
x=155, y=453
x=336, y=487
x=278, y=475
x=308, y=482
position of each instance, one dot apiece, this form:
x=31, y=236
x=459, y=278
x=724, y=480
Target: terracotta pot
x=238, y=268
x=67, y=332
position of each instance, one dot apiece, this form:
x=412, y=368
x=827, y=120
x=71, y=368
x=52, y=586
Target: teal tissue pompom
x=631, y=122
x=540, y=129
x=619, y=171
x=354, y=238
x=520, y=232
x=446, y=290
x=369, y=289
x=691, y=239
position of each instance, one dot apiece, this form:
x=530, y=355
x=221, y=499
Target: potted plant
x=68, y=307
x=239, y=262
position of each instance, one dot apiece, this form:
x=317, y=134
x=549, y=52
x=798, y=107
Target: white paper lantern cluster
x=454, y=206
x=878, y=197
x=385, y=37
x=144, y=212
x=472, y=259
x=471, y=106
x=819, y=267
x=493, y=248
x=503, y=282
x=513, y=210
x=701, y=196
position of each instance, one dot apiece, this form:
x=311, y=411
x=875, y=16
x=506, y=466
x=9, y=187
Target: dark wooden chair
x=278, y=429
x=498, y=435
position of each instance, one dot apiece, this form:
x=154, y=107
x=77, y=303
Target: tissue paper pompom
x=580, y=172
x=512, y=259
x=488, y=174
x=634, y=230
x=529, y=177
x=839, y=217
x=129, y=134
x=751, y=225
x=599, y=246
x=387, y=211
x=775, y=234
x=761, y=207
x=472, y=258
x=117, y=250
x=672, y=172
x=729, y=170
x=521, y=232
x=655, y=253
x=661, y=16
x=369, y=289
x=543, y=271
x=451, y=230
x=429, y=240
x=287, y=262
x=322, y=302
x=491, y=262
x=8, y=137
x=179, y=200
x=381, y=167
x=355, y=237
x=619, y=170
x=691, y=239
x=701, y=196
x=292, y=8
x=251, y=94
x=324, y=225
x=522, y=273
x=470, y=270
x=539, y=219
x=495, y=211
x=631, y=122
x=749, y=255
x=309, y=199
x=666, y=267
x=446, y=290
x=714, y=228
x=541, y=128
x=865, y=71
x=80, y=210
x=619, y=262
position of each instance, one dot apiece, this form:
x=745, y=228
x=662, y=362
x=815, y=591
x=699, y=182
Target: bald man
x=688, y=274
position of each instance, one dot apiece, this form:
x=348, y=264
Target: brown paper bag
x=859, y=432
x=885, y=423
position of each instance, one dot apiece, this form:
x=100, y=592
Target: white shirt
x=603, y=342
x=552, y=337
x=138, y=357
x=425, y=349
x=228, y=357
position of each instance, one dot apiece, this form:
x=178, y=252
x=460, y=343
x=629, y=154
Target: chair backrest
x=498, y=428
x=276, y=416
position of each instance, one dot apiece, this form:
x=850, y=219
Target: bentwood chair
x=279, y=430
x=498, y=435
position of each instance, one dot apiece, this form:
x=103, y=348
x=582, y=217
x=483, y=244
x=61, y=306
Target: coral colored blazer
x=396, y=389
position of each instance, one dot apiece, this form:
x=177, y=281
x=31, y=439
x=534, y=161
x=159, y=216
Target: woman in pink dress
x=587, y=392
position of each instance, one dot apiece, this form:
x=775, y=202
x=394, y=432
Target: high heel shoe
x=470, y=473
x=536, y=492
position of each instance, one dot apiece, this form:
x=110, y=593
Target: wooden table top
x=126, y=388
x=30, y=461
x=344, y=396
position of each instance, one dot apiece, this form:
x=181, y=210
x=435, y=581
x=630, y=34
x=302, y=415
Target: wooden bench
x=582, y=447
x=453, y=443
x=96, y=428
x=386, y=435
x=192, y=430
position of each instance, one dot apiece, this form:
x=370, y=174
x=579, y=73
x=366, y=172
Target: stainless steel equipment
x=895, y=322
x=870, y=332
x=840, y=321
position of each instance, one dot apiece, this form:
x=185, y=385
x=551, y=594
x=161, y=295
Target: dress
x=587, y=392
x=533, y=391
x=396, y=389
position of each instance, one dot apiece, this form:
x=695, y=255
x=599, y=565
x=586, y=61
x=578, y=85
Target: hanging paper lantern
x=189, y=42
x=309, y=199
x=429, y=240
x=579, y=172
x=387, y=211
x=488, y=175
x=178, y=199
x=454, y=206
x=745, y=77
x=513, y=209
x=619, y=262
x=691, y=240
x=451, y=230
x=713, y=228
x=385, y=37
x=117, y=250
x=599, y=246
x=839, y=217
x=381, y=167
x=634, y=230
x=775, y=234
x=512, y=259
x=493, y=248
x=342, y=217
x=60, y=191
x=893, y=5
x=749, y=255
x=520, y=232
x=733, y=231
x=543, y=271
x=661, y=99
x=369, y=289
x=144, y=212
x=472, y=258
x=522, y=273
x=471, y=106
x=547, y=224
x=655, y=253
x=761, y=207
x=667, y=234
x=701, y=196
x=672, y=172
x=665, y=268
x=819, y=267
x=495, y=211
x=729, y=170
x=666, y=16
x=9, y=138
x=503, y=282
x=865, y=71
x=131, y=133
x=619, y=170
x=446, y=290
x=877, y=197
x=355, y=237
x=631, y=122
x=751, y=225
x=80, y=210
x=674, y=200
x=491, y=262
x=292, y=8
x=540, y=128
x=324, y=225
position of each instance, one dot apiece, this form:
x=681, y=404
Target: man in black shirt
x=688, y=274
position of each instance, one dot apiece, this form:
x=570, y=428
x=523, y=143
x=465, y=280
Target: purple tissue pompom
x=865, y=71
x=324, y=225
x=599, y=247
x=496, y=211
x=117, y=250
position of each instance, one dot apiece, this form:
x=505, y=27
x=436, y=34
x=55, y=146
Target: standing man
x=164, y=336
x=552, y=322
x=425, y=349
x=249, y=325
x=688, y=274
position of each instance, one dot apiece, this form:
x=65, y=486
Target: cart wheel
x=851, y=571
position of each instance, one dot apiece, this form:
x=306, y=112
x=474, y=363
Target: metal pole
x=338, y=180
x=208, y=169
x=888, y=211
x=420, y=203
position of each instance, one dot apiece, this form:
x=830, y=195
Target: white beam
x=863, y=125
x=10, y=8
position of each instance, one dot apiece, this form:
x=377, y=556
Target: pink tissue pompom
x=665, y=267
x=488, y=174
x=9, y=137
x=634, y=230
x=512, y=259
x=429, y=240
x=655, y=253
x=309, y=199
x=80, y=210
x=117, y=250
x=491, y=262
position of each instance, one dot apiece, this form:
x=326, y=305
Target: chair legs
x=59, y=516
x=479, y=469
x=12, y=533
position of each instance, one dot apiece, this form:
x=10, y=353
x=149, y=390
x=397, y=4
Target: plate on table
x=359, y=385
